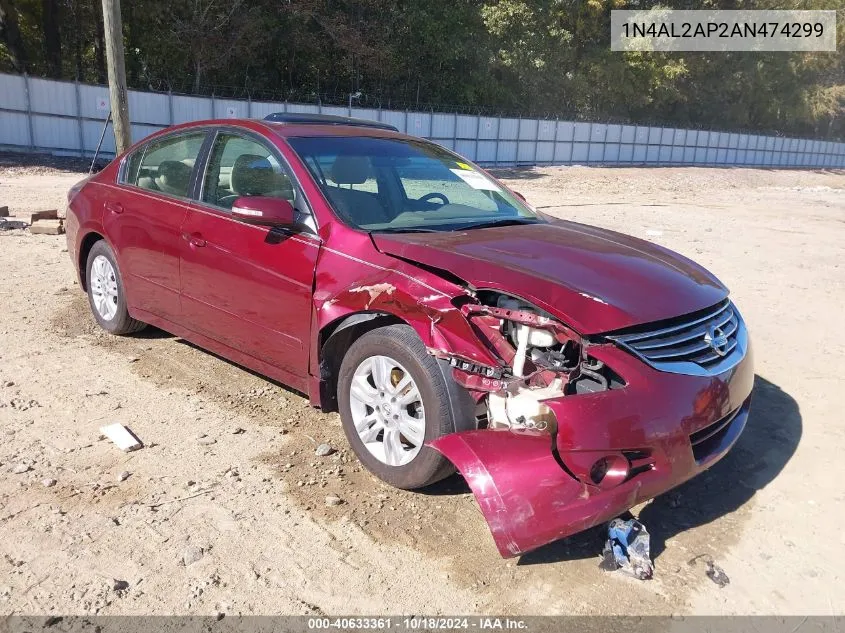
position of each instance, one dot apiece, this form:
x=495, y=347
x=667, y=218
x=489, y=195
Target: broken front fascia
x=510, y=460
x=509, y=356
x=538, y=356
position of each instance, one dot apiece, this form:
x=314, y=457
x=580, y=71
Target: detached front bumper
x=534, y=489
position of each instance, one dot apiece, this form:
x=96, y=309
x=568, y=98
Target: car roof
x=291, y=130
x=326, y=119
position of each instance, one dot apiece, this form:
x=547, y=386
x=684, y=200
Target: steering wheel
x=427, y=197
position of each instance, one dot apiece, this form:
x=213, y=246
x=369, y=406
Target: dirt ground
x=229, y=482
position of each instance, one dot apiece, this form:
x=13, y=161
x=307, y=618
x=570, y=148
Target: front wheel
x=394, y=397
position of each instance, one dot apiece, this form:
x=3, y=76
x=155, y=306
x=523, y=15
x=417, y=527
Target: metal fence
x=67, y=118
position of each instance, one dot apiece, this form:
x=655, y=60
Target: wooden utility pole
x=113, y=27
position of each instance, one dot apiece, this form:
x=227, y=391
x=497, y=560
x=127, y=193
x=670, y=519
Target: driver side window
x=239, y=167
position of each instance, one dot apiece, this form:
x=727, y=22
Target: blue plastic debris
x=627, y=548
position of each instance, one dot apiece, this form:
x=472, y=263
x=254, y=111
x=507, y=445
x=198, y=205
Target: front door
x=248, y=286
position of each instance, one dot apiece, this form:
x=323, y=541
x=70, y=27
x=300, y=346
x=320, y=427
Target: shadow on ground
x=41, y=159
x=152, y=332
x=770, y=439
x=516, y=173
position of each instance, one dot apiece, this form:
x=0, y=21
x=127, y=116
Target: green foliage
x=533, y=57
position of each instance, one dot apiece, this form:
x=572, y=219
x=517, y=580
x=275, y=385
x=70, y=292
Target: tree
x=50, y=21
x=522, y=56
x=10, y=36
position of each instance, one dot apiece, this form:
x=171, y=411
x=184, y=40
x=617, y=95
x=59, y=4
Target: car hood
x=593, y=279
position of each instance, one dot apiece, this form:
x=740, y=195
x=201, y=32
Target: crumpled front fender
x=526, y=497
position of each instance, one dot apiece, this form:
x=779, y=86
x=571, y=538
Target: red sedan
x=568, y=372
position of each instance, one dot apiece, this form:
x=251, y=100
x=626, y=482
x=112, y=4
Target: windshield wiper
x=493, y=223
x=400, y=229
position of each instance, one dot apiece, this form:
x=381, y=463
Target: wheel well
x=336, y=339
x=87, y=243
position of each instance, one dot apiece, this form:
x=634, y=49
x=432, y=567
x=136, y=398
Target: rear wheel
x=394, y=397
x=105, y=292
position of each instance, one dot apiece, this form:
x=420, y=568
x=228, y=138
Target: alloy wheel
x=387, y=410
x=104, y=287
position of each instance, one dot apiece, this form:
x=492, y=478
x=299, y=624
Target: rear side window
x=133, y=163
x=165, y=165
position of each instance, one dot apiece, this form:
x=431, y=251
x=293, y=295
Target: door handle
x=114, y=207
x=194, y=239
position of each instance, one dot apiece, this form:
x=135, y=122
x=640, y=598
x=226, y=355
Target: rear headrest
x=173, y=177
x=351, y=170
x=253, y=175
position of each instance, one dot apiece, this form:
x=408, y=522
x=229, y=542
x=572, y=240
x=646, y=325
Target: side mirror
x=264, y=211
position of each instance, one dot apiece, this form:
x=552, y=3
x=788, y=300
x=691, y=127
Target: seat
x=253, y=175
x=361, y=207
x=173, y=177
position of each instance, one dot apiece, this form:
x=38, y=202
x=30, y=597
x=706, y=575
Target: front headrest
x=173, y=177
x=253, y=175
x=351, y=170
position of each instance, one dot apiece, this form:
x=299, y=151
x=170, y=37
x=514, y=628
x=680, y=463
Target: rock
x=323, y=450
x=20, y=469
x=123, y=476
x=717, y=574
x=120, y=585
x=192, y=554
x=47, y=227
x=238, y=430
x=48, y=483
x=206, y=441
x=331, y=500
x=8, y=383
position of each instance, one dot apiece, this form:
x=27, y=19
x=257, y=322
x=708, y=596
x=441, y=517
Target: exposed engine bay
x=540, y=359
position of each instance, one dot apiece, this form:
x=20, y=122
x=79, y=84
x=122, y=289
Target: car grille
x=711, y=439
x=708, y=341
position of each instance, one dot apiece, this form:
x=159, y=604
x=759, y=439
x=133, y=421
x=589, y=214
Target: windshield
x=405, y=185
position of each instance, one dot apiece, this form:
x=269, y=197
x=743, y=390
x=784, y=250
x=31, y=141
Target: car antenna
x=100, y=144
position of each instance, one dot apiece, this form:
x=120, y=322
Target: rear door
x=144, y=215
x=247, y=286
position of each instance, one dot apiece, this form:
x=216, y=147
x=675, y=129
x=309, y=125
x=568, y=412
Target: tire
x=446, y=407
x=106, y=295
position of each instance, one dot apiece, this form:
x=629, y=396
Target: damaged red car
x=568, y=372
